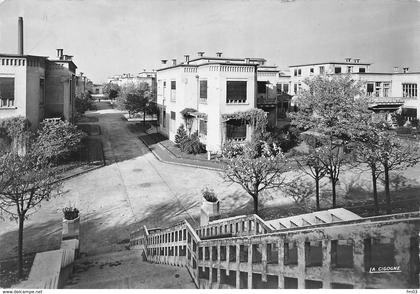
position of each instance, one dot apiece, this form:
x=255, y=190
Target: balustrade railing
x=332, y=255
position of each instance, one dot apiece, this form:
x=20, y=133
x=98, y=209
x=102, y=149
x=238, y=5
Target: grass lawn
x=8, y=270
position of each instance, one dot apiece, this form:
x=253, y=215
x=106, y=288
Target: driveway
x=133, y=189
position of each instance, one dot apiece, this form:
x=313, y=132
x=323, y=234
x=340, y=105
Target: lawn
x=8, y=270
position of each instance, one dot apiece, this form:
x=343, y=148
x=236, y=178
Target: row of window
x=232, y=228
x=337, y=69
x=228, y=277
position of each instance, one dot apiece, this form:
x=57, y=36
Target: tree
x=112, y=90
x=256, y=167
x=395, y=155
x=25, y=182
x=335, y=108
x=56, y=140
x=83, y=102
x=137, y=98
x=312, y=165
x=181, y=135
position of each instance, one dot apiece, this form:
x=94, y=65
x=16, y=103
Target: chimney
x=396, y=69
x=405, y=69
x=68, y=57
x=356, y=60
x=247, y=60
x=20, y=35
x=187, y=58
x=81, y=74
x=60, y=54
x=144, y=69
x=348, y=59
x=174, y=62
x=164, y=61
x=219, y=54
x=200, y=54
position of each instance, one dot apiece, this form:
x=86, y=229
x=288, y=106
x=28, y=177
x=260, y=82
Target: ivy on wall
x=15, y=127
x=255, y=117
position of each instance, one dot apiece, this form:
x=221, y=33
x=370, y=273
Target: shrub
x=83, y=102
x=209, y=195
x=231, y=149
x=193, y=145
x=399, y=119
x=70, y=213
x=56, y=140
x=286, y=137
x=180, y=136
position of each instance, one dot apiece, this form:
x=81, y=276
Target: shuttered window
x=236, y=91
x=203, y=89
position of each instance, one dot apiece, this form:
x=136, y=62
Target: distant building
x=148, y=77
x=391, y=90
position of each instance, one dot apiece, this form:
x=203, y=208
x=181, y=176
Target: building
x=148, y=77
x=331, y=249
x=36, y=87
x=397, y=90
x=212, y=87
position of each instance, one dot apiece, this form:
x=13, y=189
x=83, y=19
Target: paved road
x=134, y=187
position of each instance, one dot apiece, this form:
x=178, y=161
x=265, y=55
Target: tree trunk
x=375, y=192
x=333, y=183
x=317, y=193
x=20, y=246
x=255, y=204
x=387, y=193
x=144, y=117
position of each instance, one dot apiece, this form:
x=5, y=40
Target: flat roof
x=207, y=63
x=22, y=56
x=331, y=62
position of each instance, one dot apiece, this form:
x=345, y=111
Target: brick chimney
x=219, y=54
x=174, y=62
x=20, y=35
x=60, y=54
x=164, y=61
x=200, y=54
x=187, y=58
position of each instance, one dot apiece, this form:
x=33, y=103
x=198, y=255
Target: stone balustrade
x=346, y=254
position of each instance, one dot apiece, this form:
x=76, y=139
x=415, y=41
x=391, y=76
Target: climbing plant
x=255, y=117
x=188, y=118
x=15, y=126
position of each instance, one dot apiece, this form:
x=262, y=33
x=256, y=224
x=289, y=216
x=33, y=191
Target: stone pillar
x=218, y=263
x=238, y=271
x=301, y=264
x=359, y=262
x=249, y=265
x=280, y=253
x=264, y=261
x=326, y=264
x=211, y=267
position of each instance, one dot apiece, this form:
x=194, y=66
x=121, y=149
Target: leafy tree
x=83, y=102
x=312, y=165
x=395, y=155
x=258, y=167
x=56, y=140
x=137, y=98
x=112, y=90
x=25, y=182
x=188, y=118
x=336, y=108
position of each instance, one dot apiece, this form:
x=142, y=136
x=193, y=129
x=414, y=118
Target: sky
x=108, y=37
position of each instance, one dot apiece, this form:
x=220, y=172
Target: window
x=378, y=252
x=313, y=253
x=295, y=72
x=279, y=88
x=311, y=70
x=290, y=253
x=362, y=69
x=349, y=69
x=321, y=70
x=295, y=88
x=369, y=89
x=342, y=253
x=203, y=127
x=299, y=72
x=337, y=70
x=286, y=88
x=386, y=89
x=235, y=130
x=42, y=91
x=203, y=90
x=262, y=87
x=173, y=90
x=409, y=90
x=236, y=91
x=7, y=92
x=173, y=115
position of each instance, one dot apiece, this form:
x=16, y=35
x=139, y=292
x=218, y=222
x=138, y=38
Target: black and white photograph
x=209, y=144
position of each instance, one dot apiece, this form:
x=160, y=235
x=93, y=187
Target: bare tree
x=25, y=182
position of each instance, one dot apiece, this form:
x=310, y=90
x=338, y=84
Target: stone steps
x=126, y=270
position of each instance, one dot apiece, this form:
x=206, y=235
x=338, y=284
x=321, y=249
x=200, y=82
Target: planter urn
x=207, y=210
x=71, y=228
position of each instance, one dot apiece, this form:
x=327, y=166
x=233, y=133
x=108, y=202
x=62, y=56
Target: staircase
x=126, y=270
x=330, y=249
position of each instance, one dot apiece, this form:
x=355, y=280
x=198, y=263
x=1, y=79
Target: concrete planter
x=212, y=208
x=71, y=228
